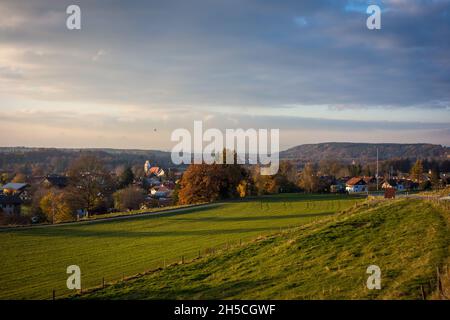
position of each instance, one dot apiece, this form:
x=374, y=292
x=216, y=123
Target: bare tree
x=91, y=181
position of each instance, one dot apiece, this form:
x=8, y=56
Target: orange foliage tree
x=210, y=182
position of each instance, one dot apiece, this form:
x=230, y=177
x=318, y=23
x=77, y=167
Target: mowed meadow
x=34, y=260
x=325, y=259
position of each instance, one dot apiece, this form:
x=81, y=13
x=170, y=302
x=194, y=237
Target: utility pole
x=377, y=170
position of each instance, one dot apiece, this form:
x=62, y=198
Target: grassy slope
x=34, y=261
x=326, y=259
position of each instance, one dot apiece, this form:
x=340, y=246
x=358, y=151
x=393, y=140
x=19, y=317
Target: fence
x=439, y=287
x=168, y=263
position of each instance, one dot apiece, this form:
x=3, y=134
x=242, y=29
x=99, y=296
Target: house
x=55, y=181
x=394, y=184
x=10, y=204
x=161, y=192
x=16, y=189
x=339, y=185
x=157, y=171
x=356, y=184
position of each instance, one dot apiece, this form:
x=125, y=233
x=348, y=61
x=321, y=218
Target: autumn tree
x=209, y=182
x=331, y=167
x=309, y=181
x=243, y=189
x=129, y=198
x=4, y=178
x=91, y=181
x=58, y=206
x=285, y=180
x=417, y=171
x=19, y=178
x=287, y=177
x=265, y=184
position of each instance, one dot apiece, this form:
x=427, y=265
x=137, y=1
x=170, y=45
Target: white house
x=356, y=184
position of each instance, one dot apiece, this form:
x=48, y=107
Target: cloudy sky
x=139, y=69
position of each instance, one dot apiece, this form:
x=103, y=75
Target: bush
x=129, y=198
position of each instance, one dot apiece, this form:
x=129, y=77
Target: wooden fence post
x=103, y=282
x=53, y=295
x=439, y=283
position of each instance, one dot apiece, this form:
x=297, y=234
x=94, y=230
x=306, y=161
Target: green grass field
x=326, y=259
x=34, y=260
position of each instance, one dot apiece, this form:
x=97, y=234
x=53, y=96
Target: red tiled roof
x=154, y=170
x=354, y=180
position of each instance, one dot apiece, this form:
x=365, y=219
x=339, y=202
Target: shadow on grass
x=82, y=233
x=249, y=217
x=194, y=290
x=300, y=197
x=74, y=231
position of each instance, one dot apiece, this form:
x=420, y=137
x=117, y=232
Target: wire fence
x=164, y=263
x=442, y=275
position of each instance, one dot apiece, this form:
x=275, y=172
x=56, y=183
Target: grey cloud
x=241, y=53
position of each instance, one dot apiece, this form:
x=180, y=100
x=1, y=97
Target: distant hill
x=346, y=151
x=56, y=160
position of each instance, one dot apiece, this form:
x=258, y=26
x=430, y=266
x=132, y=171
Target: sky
x=137, y=70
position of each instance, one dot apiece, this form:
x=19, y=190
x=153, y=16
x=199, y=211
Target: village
x=154, y=189
x=57, y=198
